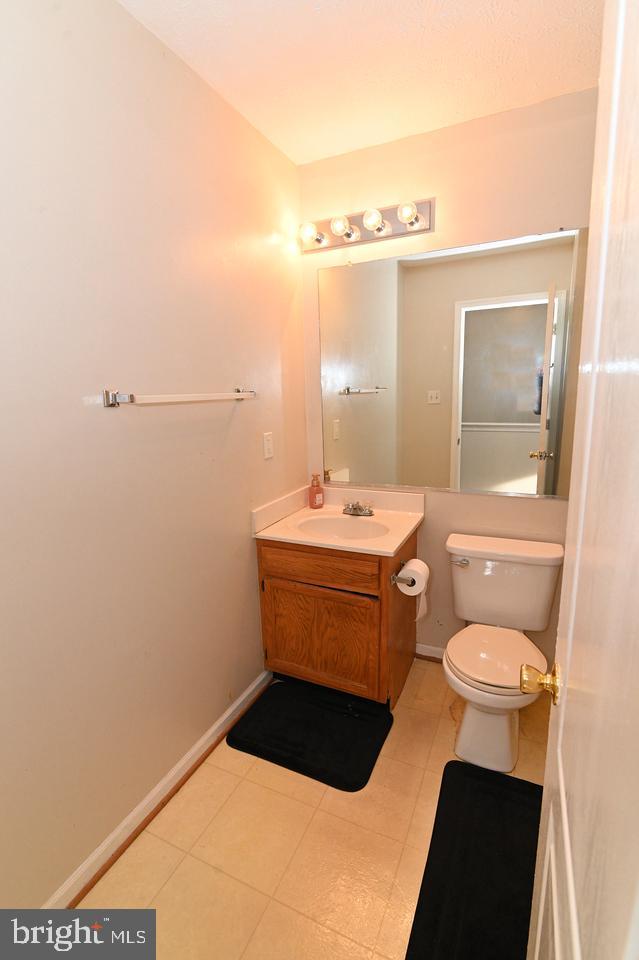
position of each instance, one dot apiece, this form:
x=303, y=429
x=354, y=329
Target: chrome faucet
x=358, y=509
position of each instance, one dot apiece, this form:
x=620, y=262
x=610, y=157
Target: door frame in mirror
x=462, y=307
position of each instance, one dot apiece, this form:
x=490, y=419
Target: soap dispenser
x=315, y=493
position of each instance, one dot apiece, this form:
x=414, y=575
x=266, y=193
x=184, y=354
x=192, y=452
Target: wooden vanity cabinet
x=334, y=618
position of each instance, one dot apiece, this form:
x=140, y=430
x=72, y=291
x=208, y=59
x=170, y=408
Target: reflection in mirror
x=457, y=370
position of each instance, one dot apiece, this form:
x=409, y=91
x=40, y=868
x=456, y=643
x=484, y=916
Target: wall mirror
x=455, y=370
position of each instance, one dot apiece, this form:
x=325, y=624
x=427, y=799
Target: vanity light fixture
x=374, y=224
x=310, y=234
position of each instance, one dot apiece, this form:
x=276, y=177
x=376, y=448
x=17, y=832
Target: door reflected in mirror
x=454, y=371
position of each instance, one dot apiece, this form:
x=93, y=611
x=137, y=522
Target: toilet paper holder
x=398, y=578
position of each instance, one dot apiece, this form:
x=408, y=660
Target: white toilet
x=500, y=587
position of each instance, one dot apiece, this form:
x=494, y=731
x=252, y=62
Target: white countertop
x=341, y=532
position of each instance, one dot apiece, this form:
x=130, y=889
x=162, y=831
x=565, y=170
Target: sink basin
x=345, y=527
x=381, y=535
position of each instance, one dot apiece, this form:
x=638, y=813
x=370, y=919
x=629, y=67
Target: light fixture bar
x=368, y=226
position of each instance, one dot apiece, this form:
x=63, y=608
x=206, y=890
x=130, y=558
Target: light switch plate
x=268, y=446
x=434, y=396
x=335, y=429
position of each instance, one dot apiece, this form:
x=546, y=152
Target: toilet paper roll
x=420, y=573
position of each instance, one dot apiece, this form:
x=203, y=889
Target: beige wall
x=429, y=292
x=359, y=349
x=509, y=175
x=513, y=173
x=136, y=214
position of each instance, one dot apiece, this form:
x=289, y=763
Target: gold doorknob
x=541, y=455
x=532, y=680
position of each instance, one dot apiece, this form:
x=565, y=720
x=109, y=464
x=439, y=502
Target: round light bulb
x=340, y=226
x=308, y=232
x=353, y=235
x=384, y=229
x=372, y=219
x=406, y=212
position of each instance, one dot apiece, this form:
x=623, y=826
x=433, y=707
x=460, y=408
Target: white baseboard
x=72, y=886
x=425, y=650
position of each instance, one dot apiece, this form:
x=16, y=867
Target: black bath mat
x=327, y=735
x=475, y=898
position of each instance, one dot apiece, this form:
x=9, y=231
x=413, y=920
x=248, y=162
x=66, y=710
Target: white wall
x=359, y=349
x=139, y=249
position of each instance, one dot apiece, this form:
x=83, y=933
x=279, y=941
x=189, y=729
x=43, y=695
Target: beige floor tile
x=193, y=807
x=433, y=689
x=233, y=761
x=386, y=803
x=287, y=782
x=204, y=914
x=412, y=683
x=418, y=664
x=410, y=737
x=421, y=825
x=341, y=876
x=533, y=720
x=136, y=877
x=398, y=919
x=254, y=835
x=531, y=761
x=284, y=934
x=442, y=749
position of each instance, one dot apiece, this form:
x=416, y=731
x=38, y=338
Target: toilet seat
x=489, y=658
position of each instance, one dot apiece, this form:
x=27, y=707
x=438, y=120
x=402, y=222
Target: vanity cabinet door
x=325, y=636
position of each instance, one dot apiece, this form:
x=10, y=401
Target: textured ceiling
x=322, y=77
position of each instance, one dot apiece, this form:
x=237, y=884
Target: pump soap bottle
x=315, y=493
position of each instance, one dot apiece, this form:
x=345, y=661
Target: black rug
x=327, y=735
x=475, y=898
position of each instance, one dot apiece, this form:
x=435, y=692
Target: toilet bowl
x=505, y=586
x=482, y=664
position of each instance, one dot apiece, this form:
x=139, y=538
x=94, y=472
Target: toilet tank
x=506, y=583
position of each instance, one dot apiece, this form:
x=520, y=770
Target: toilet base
x=489, y=738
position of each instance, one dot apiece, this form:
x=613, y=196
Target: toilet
x=500, y=587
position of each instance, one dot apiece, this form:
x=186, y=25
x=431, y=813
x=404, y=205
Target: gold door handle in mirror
x=532, y=680
x=541, y=455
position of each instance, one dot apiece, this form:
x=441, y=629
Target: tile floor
x=252, y=861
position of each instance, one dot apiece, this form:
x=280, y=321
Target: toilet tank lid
x=498, y=548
